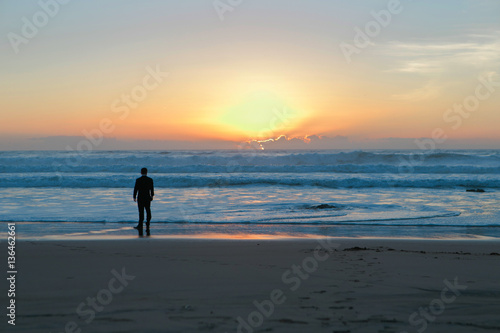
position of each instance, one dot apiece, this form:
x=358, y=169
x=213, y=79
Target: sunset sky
x=207, y=71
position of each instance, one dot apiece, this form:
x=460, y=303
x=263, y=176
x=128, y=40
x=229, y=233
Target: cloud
x=307, y=142
x=425, y=57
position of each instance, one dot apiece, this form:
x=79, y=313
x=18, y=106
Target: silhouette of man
x=143, y=194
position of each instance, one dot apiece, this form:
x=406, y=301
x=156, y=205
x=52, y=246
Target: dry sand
x=189, y=285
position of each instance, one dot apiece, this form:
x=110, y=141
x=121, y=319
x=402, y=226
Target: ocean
x=246, y=193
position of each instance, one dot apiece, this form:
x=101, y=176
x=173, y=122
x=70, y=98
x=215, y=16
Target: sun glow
x=260, y=115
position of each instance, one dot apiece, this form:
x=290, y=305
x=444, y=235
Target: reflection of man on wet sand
x=143, y=194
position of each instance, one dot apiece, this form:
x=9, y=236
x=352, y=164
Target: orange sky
x=256, y=74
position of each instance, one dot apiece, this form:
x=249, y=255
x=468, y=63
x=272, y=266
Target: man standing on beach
x=143, y=194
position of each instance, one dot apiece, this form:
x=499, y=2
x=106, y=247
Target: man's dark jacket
x=144, y=189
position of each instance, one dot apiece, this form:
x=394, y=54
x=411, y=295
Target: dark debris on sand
x=356, y=248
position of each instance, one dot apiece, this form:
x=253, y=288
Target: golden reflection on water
x=105, y=235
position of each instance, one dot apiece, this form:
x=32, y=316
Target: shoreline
x=248, y=237
x=109, y=230
x=452, y=244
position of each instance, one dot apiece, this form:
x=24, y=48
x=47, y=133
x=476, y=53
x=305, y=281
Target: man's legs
x=147, y=205
x=140, y=205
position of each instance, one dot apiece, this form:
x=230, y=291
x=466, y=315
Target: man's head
x=144, y=171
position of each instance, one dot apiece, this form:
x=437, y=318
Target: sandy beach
x=282, y=285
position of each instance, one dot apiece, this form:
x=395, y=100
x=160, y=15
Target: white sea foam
x=332, y=169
